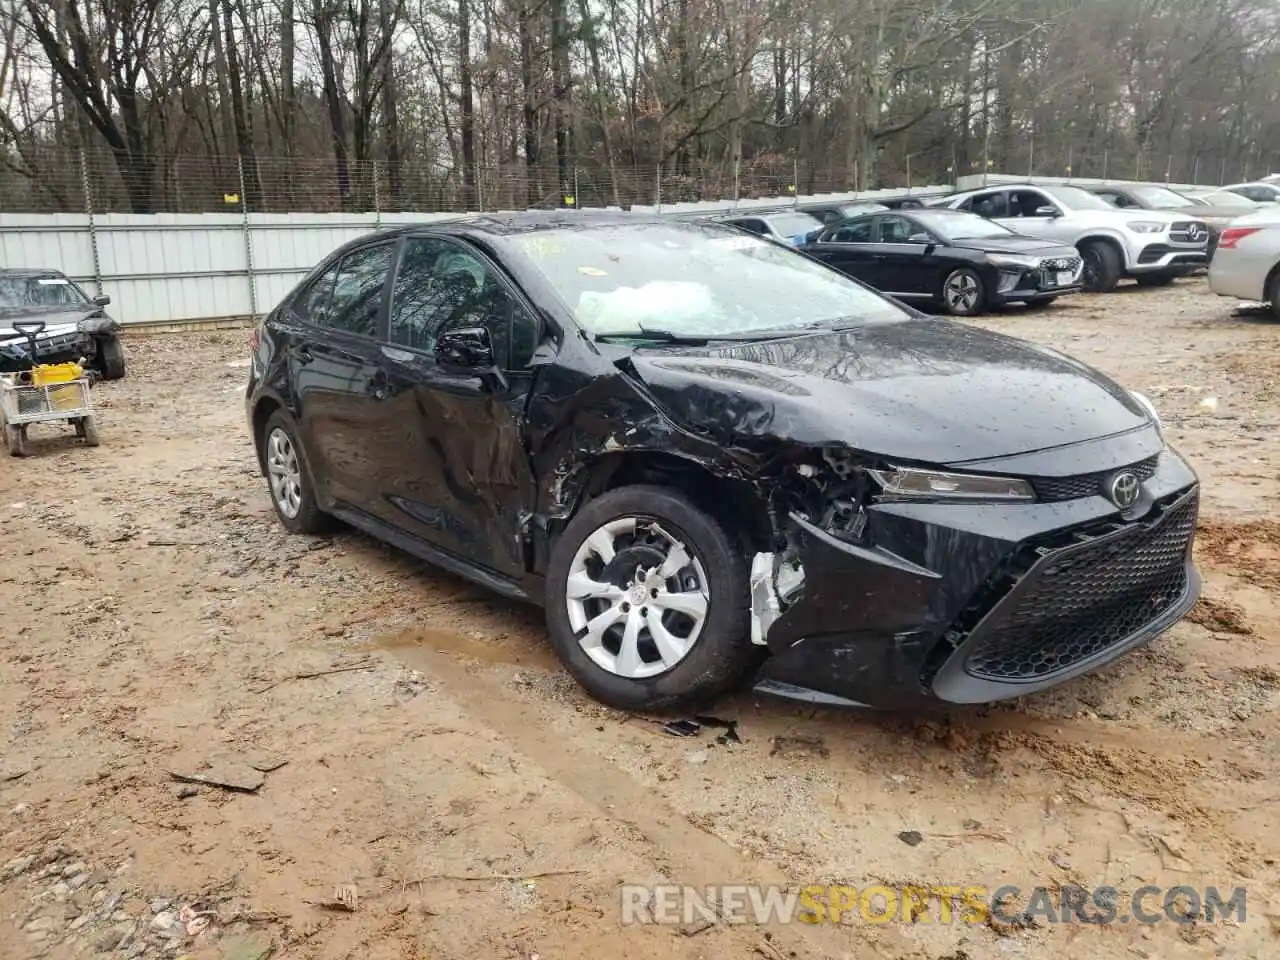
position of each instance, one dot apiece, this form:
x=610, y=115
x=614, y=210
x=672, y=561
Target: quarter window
x=859, y=232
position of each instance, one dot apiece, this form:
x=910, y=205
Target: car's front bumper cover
x=956, y=603
x=57, y=348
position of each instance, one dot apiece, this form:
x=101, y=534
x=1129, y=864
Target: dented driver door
x=461, y=479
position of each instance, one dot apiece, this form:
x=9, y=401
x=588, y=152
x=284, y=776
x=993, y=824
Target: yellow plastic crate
x=47, y=373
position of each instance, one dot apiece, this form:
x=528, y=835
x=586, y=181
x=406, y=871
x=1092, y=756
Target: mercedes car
x=710, y=457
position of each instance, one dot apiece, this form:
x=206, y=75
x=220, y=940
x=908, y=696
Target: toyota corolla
x=707, y=456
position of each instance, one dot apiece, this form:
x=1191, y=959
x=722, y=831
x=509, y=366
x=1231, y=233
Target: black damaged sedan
x=708, y=455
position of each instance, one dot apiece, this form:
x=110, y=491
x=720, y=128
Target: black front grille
x=1076, y=601
x=1050, y=489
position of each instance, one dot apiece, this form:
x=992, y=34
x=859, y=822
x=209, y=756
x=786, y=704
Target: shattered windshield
x=693, y=279
x=38, y=292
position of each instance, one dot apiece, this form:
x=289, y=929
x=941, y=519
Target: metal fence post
x=657, y=195
x=248, y=243
x=93, y=229
x=377, y=200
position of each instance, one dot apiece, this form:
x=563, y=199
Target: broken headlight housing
x=913, y=483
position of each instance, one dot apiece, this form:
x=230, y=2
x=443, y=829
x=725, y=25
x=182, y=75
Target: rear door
x=905, y=267
x=333, y=361
x=461, y=477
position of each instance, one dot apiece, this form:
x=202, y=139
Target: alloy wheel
x=961, y=293
x=637, y=598
x=284, y=473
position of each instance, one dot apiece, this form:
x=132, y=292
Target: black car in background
x=950, y=258
x=696, y=447
x=784, y=226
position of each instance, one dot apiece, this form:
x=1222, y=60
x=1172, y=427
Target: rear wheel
x=15, y=439
x=1273, y=295
x=289, y=479
x=647, y=601
x=1101, y=266
x=1155, y=279
x=962, y=293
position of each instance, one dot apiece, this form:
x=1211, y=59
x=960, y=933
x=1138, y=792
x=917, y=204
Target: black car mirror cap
x=101, y=300
x=465, y=350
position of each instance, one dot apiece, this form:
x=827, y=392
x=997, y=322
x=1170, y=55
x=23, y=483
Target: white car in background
x=1247, y=263
x=1152, y=246
x=1259, y=191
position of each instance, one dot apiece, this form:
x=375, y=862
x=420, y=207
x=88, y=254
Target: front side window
x=897, y=229
x=441, y=285
x=356, y=301
x=693, y=279
x=1029, y=203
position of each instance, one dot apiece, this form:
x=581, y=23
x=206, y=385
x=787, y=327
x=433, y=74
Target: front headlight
x=1013, y=260
x=1147, y=226
x=912, y=483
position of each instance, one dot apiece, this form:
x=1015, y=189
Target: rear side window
x=755, y=226
x=990, y=205
x=356, y=301
x=312, y=305
x=859, y=232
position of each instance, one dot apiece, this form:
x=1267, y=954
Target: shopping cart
x=45, y=393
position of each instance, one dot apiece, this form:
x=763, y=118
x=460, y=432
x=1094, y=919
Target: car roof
x=30, y=272
x=508, y=224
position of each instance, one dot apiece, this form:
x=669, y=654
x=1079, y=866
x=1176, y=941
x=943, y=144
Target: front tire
x=963, y=294
x=289, y=480
x=1101, y=266
x=1273, y=295
x=110, y=358
x=647, y=601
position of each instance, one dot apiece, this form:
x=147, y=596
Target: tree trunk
x=240, y=116
x=530, y=109
x=390, y=99
x=561, y=95
x=467, y=107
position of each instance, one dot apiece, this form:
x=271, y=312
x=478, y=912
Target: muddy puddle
x=520, y=650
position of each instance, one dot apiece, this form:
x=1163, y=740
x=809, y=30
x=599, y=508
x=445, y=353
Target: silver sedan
x=1246, y=264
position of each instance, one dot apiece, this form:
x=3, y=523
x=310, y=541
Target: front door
x=333, y=356
x=462, y=478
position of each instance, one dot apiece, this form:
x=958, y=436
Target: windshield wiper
x=652, y=333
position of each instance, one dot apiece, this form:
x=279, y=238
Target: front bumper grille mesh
x=1078, y=601
x=1049, y=489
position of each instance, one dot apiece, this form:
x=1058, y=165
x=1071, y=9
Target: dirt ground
x=157, y=621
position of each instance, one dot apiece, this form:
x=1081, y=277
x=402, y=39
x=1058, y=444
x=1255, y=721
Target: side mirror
x=1047, y=211
x=101, y=300
x=465, y=350
x=919, y=238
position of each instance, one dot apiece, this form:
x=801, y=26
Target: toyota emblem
x=1124, y=489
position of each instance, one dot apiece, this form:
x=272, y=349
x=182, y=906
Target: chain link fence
x=52, y=180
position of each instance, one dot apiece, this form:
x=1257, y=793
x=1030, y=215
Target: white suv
x=1152, y=246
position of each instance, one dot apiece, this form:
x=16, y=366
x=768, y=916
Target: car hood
x=56, y=322
x=1030, y=246
x=924, y=390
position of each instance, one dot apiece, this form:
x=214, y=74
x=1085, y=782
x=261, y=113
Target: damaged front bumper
x=972, y=603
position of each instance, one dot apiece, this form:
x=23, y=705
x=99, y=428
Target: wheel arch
x=734, y=503
x=1268, y=283
x=1110, y=240
x=262, y=411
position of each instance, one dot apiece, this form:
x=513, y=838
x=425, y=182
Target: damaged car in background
x=708, y=456
x=76, y=327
